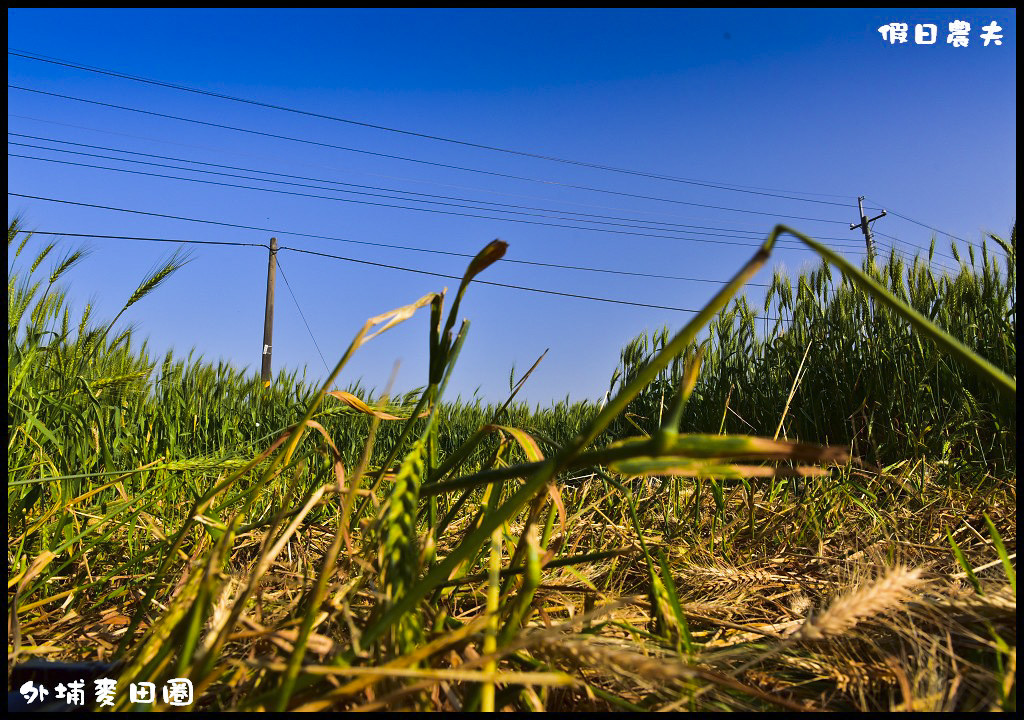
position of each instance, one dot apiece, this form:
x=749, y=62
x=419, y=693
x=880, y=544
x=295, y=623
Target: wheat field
x=813, y=514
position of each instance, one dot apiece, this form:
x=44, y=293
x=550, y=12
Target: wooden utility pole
x=268, y=318
x=865, y=228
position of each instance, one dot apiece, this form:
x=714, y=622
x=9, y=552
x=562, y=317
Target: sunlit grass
x=687, y=545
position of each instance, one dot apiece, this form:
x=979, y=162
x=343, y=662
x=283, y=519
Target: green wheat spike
x=399, y=551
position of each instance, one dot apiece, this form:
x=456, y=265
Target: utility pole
x=268, y=318
x=865, y=228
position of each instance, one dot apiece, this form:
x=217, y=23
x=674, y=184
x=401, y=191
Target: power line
x=784, y=244
x=628, y=224
x=430, y=273
x=925, y=225
x=391, y=267
x=928, y=227
x=292, y=160
x=416, y=160
x=504, y=285
x=689, y=227
x=302, y=315
x=556, y=159
x=919, y=248
x=147, y=239
x=945, y=265
x=938, y=253
x=539, y=156
x=535, y=263
x=397, y=207
x=697, y=229
x=314, y=236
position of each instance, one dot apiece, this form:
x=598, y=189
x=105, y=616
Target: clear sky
x=813, y=105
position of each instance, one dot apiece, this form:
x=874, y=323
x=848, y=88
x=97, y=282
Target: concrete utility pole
x=865, y=228
x=268, y=319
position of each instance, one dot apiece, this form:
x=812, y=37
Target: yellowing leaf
x=524, y=439
x=354, y=402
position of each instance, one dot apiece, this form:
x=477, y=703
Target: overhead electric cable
x=534, y=263
x=483, y=190
x=539, y=156
x=637, y=226
x=725, y=186
x=389, y=176
x=516, y=207
x=927, y=226
x=301, y=314
x=937, y=252
x=503, y=285
x=841, y=241
x=398, y=207
x=845, y=241
x=314, y=236
x=181, y=241
x=431, y=273
x=416, y=160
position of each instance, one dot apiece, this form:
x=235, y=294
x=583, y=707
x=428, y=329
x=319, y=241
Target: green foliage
x=288, y=548
x=869, y=381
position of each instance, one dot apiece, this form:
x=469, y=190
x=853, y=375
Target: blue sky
x=810, y=104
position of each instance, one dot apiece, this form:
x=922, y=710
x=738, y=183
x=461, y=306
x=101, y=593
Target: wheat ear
x=864, y=602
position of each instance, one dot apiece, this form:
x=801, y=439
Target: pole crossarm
x=865, y=226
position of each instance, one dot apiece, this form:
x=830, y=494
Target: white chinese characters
x=105, y=690
x=143, y=693
x=990, y=34
x=959, y=35
x=177, y=692
x=73, y=692
x=894, y=32
x=926, y=34
x=33, y=693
